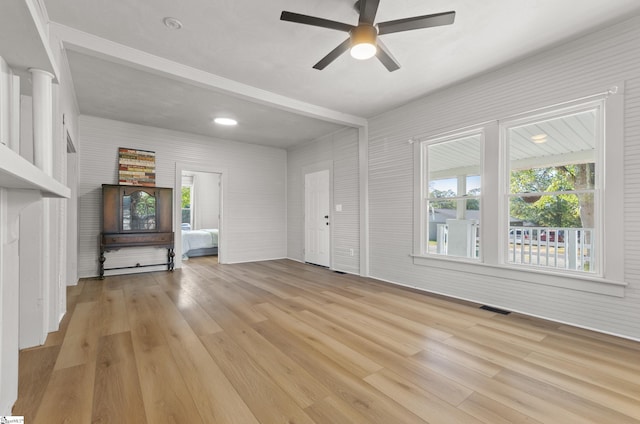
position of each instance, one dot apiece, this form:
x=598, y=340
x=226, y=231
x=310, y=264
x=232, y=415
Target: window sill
x=572, y=281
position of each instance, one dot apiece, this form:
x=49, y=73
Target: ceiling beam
x=92, y=45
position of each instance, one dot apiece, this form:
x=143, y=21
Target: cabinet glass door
x=138, y=211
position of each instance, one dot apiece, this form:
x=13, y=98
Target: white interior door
x=317, y=240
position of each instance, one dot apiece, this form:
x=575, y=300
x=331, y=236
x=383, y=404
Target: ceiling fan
x=363, y=38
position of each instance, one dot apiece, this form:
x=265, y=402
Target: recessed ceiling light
x=225, y=121
x=539, y=139
x=172, y=23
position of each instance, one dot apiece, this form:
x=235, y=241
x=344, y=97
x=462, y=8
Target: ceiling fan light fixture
x=363, y=51
x=363, y=42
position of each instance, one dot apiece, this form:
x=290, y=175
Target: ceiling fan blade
x=368, y=10
x=333, y=54
x=312, y=20
x=386, y=58
x=417, y=22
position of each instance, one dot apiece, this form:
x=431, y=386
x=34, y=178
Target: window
x=552, y=198
x=539, y=180
x=186, y=204
x=451, y=195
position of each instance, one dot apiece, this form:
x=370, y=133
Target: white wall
x=254, y=202
x=587, y=65
x=206, y=192
x=341, y=149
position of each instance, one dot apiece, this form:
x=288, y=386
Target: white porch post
x=461, y=207
x=42, y=120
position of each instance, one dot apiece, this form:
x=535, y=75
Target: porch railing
x=550, y=247
x=553, y=247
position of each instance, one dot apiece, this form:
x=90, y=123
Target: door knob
x=326, y=216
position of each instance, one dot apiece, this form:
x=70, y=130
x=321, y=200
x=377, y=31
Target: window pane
x=473, y=185
x=446, y=187
x=453, y=161
x=448, y=235
x=452, y=207
x=548, y=158
x=542, y=143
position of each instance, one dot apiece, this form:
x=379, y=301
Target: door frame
x=177, y=208
x=310, y=169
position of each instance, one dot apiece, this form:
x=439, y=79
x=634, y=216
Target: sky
x=452, y=184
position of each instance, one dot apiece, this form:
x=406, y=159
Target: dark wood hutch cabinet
x=134, y=216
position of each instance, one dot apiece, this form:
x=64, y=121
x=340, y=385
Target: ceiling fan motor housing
x=364, y=33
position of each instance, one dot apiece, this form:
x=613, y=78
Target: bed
x=199, y=243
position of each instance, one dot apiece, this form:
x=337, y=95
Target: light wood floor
x=283, y=342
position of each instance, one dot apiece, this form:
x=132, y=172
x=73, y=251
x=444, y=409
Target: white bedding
x=199, y=239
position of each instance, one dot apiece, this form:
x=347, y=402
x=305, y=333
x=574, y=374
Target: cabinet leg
x=101, y=260
x=171, y=256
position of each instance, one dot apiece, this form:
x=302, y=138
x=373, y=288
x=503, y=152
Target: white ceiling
x=237, y=57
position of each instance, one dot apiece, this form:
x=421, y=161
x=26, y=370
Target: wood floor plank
x=199, y=320
x=286, y=342
x=412, y=309
x=414, y=325
x=223, y=316
x=372, y=404
x=81, y=339
x=349, y=358
x=597, y=352
x=117, y=396
x=265, y=399
x=570, y=401
x=68, y=397
x=491, y=411
x=303, y=388
x=332, y=410
x=36, y=366
x=165, y=394
x=215, y=397
x=113, y=316
x=418, y=373
x=428, y=407
x=506, y=394
x=369, y=330
x=91, y=291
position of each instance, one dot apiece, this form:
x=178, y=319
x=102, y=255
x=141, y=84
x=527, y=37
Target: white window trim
x=611, y=281
x=420, y=157
x=505, y=165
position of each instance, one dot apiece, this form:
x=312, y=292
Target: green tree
x=186, y=197
x=562, y=210
x=473, y=204
x=443, y=202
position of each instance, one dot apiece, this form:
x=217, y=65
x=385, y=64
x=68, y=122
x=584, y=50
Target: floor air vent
x=496, y=310
x=339, y=272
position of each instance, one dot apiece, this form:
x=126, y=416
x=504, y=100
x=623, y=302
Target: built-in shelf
x=18, y=173
x=24, y=38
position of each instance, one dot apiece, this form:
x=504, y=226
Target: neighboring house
x=54, y=241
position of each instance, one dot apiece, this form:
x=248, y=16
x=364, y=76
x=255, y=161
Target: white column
x=5, y=104
x=461, y=209
x=14, y=110
x=42, y=120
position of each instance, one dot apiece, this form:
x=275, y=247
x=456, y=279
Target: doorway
x=317, y=201
x=199, y=214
